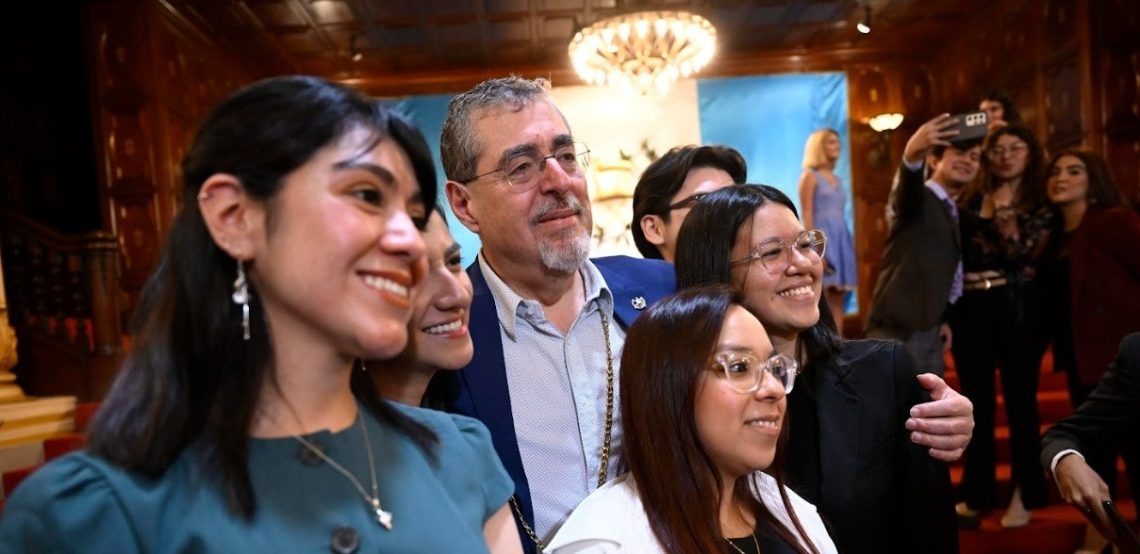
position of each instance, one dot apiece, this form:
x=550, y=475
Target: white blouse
x=612, y=519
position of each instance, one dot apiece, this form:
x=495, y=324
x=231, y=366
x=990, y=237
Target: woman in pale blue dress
x=824, y=202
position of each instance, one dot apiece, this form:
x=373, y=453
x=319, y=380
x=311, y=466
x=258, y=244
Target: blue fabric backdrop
x=428, y=113
x=768, y=119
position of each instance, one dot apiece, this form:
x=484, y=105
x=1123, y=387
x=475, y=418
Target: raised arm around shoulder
x=807, y=198
x=944, y=424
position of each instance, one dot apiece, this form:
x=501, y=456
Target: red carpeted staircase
x=1057, y=528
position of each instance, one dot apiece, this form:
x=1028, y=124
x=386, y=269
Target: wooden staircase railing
x=64, y=302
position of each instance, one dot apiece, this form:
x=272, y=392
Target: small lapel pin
x=638, y=302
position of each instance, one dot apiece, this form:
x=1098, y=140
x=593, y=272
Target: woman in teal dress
x=824, y=202
x=238, y=423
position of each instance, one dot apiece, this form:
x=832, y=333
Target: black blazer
x=879, y=492
x=1110, y=413
x=922, y=253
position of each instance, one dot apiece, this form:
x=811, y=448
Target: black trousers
x=993, y=329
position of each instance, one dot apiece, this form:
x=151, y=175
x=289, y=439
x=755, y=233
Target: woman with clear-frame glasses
x=849, y=452
x=703, y=408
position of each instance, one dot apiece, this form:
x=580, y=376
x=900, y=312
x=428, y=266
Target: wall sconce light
x=865, y=25
x=354, y=53
x=885, y=122
x=879, y=155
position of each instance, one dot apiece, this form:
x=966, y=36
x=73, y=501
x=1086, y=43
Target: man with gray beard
x=548, y=322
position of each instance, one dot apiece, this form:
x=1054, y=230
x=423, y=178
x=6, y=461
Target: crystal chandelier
x=643, y=51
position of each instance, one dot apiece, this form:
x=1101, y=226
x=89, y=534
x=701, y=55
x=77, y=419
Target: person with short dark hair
x=921, y=272
x=670, y=186
x=703, y=406
x=238, y=422
x=849, y=452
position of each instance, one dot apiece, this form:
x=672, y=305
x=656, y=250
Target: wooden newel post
x=9, y=390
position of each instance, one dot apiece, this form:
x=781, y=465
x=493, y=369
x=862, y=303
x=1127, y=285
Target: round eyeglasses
x=523, y=170
x=776, y=254
x=744, y=372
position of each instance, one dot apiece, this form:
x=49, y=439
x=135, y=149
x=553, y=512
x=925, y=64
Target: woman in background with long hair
x=1095, y=286
x=825, y=203
x=1005, y=223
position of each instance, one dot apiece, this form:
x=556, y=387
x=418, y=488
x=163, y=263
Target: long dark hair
x=704, y=248
x=191, y=381
x=1030, y=194
x=1102, y=191
x=666, y=352
x=664, y=177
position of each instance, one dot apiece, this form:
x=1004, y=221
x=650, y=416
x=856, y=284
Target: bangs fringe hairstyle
x=704, y=253
x=663, y=178
x=667, y=351
x=191, y=382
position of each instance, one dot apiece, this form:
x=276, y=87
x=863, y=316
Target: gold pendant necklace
x=383, y=517
x=607, y=437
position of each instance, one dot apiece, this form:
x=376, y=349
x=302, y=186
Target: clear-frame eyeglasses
x=524, y=170
x=776, y=254
x=745, y=372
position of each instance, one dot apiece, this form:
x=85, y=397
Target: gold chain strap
x=604, y=467
x=522, y=521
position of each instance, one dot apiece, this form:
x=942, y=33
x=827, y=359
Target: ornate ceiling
x=432, y=42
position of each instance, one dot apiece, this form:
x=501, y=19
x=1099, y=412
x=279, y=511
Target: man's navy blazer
x=635, y=284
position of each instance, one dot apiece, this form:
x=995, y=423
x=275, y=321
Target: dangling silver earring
x=241, y=298
x=363, y=367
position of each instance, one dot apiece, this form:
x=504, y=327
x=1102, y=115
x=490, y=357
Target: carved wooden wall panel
x=1116, y=23
x=872, y=90
x=1063, y=96
x=154, y=79
x=123, y=120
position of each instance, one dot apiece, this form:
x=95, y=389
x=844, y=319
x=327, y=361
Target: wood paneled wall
x=153, y=79
x=1072, y=66
x=874, y=89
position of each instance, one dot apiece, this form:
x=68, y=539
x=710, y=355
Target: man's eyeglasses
x=776, y=254
x=686, y=201
x=998, y=151
x=745, y=372
x=523, y=171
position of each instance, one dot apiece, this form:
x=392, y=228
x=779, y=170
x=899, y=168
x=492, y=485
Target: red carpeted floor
x=1056, y=529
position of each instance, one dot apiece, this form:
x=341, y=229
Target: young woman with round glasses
x=1005, y=223
x=703, y=409
x=848, y=450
